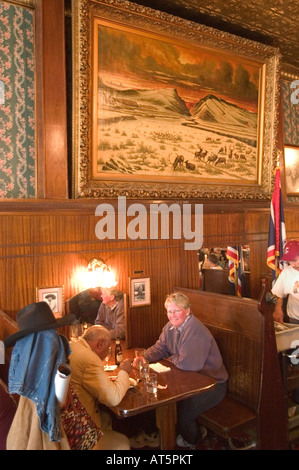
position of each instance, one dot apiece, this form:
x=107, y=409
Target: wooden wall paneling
x=257, y=230
x=52, y=180
x=223, y=229
x=170, y=266
x=49, y=247
x=46, y=242
x=15, y=294
x=159, y=261
x=292, y=223
x=143, y=262
x=188, y=268
x=14, y=264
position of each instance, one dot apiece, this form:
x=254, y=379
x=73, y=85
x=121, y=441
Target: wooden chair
x=8, y=326
x=244, y=331
x=85, y=305
x=216, y=280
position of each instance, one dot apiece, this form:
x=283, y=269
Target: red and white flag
x=277, y=232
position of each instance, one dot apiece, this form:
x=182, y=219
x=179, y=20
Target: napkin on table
x=159, y=367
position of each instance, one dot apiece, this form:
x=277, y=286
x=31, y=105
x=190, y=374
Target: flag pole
x=276, y=257
x=236, y=279
x=277, y=233
x=276, y=267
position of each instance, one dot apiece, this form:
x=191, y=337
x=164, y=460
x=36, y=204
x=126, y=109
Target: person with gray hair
x=213, y=262
x=287, y=286
x=189, y=345
x=93, y=386
x=111, y=313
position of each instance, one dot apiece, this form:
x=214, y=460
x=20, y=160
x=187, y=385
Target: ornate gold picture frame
x=291, y=161
x=164, y=108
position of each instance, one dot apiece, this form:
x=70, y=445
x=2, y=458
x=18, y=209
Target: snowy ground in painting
x=145, y=133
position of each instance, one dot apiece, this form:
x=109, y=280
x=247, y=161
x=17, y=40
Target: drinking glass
x=108, y=358
x=143, y=369
x=152, y=383
x=75, y=331
x=139, y=357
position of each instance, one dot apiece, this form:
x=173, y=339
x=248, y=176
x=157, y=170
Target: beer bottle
x=118, y=352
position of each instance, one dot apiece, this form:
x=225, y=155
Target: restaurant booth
x=102, y=161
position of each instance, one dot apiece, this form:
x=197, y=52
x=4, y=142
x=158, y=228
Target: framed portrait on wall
x=291, y=161
x=167, y=108
x=54, y=296
x=140, y=292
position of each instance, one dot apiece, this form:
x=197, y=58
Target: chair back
x=216, y=280
x=85, y=305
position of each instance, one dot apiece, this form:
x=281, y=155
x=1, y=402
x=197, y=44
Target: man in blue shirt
x=189, y=345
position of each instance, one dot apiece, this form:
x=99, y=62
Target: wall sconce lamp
x=99, y=275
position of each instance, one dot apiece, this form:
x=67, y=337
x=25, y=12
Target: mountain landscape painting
x=167, y=110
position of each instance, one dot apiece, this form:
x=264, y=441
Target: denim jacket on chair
x=34, y=362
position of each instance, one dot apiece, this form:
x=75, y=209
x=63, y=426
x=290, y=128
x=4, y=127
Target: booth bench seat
x=244, y=331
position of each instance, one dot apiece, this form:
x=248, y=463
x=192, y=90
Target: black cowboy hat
x=37, y=317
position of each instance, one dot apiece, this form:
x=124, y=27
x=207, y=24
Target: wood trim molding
x=51, y=107
x=89, y=205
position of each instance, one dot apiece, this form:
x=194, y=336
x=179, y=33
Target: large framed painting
x=167, y=108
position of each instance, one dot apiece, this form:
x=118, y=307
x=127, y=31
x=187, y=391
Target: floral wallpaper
x=17, y=113
x=290, y=108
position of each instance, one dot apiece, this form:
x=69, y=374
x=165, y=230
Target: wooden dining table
x=174, y=385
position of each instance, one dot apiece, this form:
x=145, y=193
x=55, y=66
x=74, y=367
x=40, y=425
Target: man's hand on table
x=125, y=365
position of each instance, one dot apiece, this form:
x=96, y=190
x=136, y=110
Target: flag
x=233, y=259
x=241, y=273
x=277, y=232
x=236, y=269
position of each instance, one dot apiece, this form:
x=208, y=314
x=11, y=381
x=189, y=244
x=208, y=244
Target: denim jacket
x=34, y=362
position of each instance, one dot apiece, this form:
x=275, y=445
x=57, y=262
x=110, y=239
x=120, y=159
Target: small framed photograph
x=54, y=296
x=291, y=161
x=140, y=292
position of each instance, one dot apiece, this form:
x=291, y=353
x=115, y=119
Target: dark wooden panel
x=215, y=312
x=51, y=100
x=242, y=358
x=50, y=247
x=216, y=280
